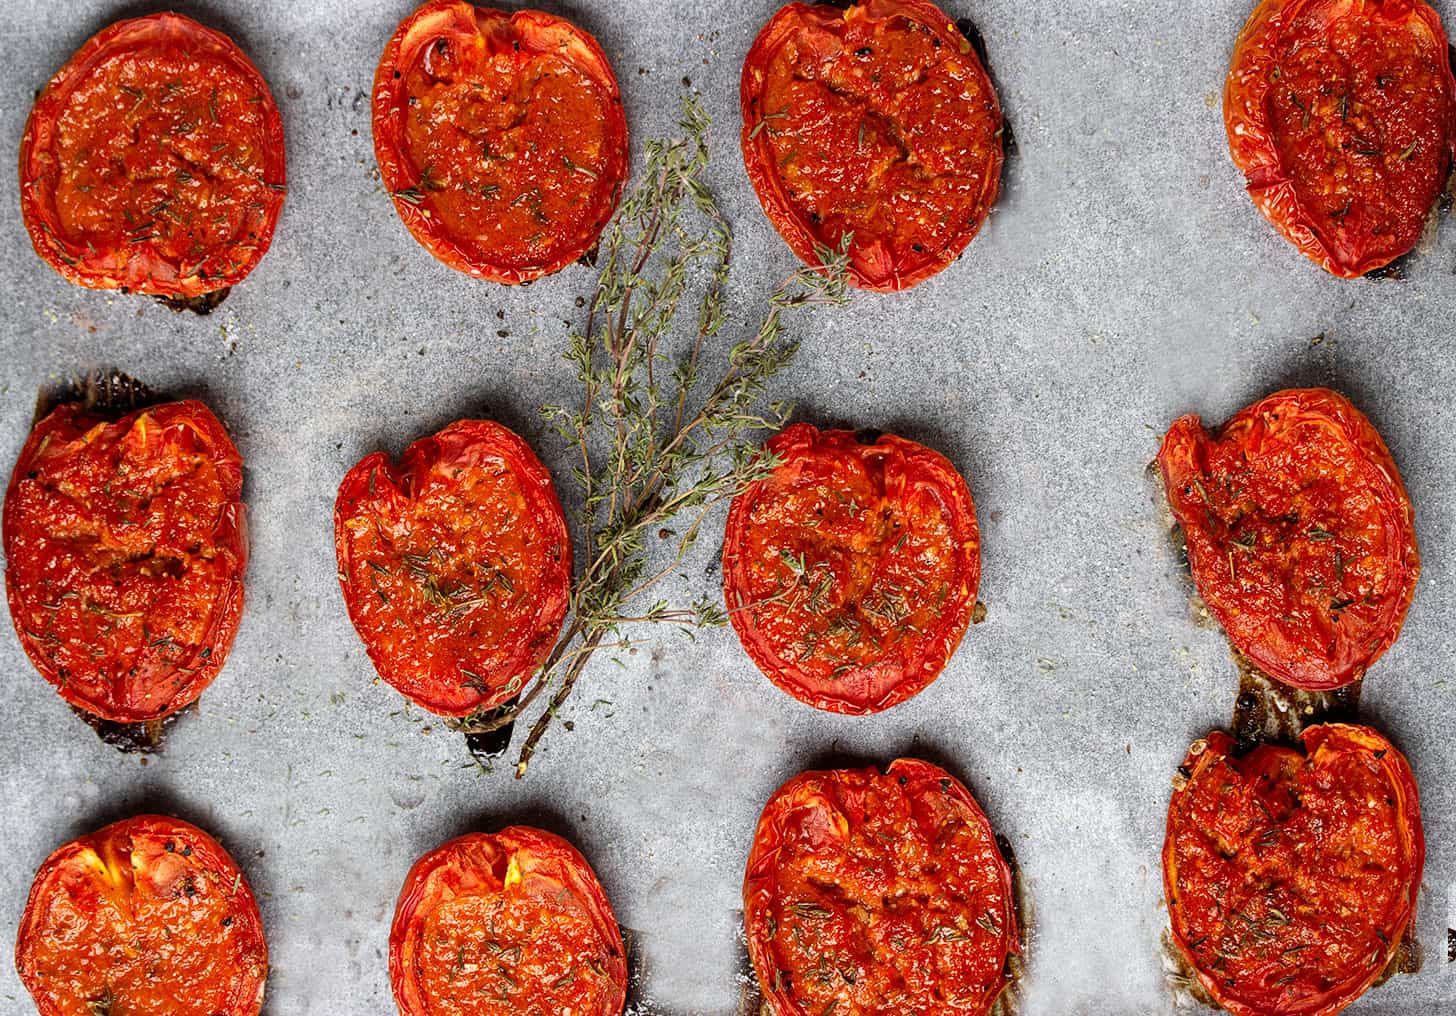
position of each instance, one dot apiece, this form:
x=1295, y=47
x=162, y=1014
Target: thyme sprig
x=656, y=441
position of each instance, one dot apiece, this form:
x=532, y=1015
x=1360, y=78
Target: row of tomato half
x=153, y=161
x=850, y=572
x=866, y=892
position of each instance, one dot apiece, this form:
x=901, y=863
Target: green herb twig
x=656, y=442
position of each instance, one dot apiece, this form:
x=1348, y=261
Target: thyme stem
x=651, y=444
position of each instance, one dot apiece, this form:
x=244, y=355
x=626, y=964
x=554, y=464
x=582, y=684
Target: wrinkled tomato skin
x=149, y=916
x=455, y=565
x=1342, y=116
x=851, y=572
x=878, y=121
x=501, y=137
x=1300, y=535
x=153, y=162
x=498, y=924
x=1291, y=876
x=895, y=879
x=125, y=546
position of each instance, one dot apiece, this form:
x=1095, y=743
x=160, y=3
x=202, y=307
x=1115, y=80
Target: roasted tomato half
x=125, y=546
x=875, y=121
x=153, y=161
x=1342, y=115
x=501, y=137
x=1300, y=535
x=851, y=572
x=504, y=924
x=147, y=916
x=878, y=894
x=455, y=565
x=1291, y=876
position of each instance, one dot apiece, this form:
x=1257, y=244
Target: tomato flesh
x=501, y=137
x=147, y=917
x=154, y=161
x=1342, y=114
x=455, y=565
x=851, y=572
x=503, y=924
x=877, y=894
x=877, y=122
x=125, y=546
x=1300, y=535
x=1290, y=876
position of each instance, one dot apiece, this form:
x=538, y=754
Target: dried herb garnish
x=656, y=440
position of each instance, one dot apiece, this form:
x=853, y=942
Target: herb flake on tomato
x=500, y=136
x=1342, y=116
x=1291, y=875
x=851, y=572
x=148, y=915
x=455, y=564
x=125, y=545
x=875, y=121
x=500, y=924
x=874, y=893
x=1300, y=535
x=153, y=162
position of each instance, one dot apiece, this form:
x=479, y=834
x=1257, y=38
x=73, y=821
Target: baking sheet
x=1124, y=278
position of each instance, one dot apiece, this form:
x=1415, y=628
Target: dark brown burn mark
x=593, y=253
x=973, y=35
x=135, y=738
x=202, y=305
x=1393, y=272
x=486, y=745
x=1269, y=711
x=1451, y=945
x=111, y=393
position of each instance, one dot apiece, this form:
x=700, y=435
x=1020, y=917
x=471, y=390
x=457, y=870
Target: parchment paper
x=1123, y=279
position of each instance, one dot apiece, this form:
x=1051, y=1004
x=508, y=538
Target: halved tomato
x=875, y=121
x=455, y=565
x=125, y=546
x=498, y=924
x=871, y=894
x=148, y=915
x=1342, y=115
x=153, y=161
x=1291, y=876
x=500, y=136
x=1300, y=535
x=851, y=572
